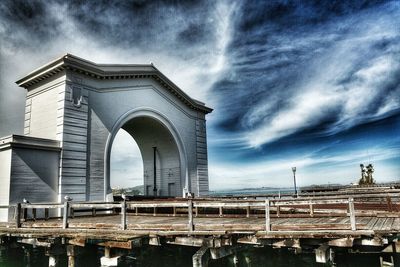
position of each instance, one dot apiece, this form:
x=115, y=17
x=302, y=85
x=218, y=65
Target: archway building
x=74, y=109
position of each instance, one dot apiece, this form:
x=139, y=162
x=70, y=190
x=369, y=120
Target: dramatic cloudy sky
x=312, y=84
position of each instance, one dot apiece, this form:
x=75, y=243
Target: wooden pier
x=218, y=226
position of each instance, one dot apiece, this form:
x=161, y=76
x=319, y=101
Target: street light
x=154, y=171
x=294, y=180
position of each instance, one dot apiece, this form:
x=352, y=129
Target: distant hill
x=132, y=191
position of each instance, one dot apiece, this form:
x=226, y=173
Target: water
x=252, y=191
x=179, y=256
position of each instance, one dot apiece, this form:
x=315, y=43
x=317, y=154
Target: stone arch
x=155, y=116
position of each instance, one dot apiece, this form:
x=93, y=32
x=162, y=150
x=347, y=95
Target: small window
x=76, y=96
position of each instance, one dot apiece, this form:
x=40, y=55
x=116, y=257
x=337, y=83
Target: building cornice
x=21, y=141
x=108, y=72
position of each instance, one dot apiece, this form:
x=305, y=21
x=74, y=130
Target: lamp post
x=154, y=171
x=294, y=180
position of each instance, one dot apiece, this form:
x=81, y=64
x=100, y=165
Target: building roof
x=108, y=71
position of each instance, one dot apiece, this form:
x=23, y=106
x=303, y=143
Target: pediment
x=109, y=71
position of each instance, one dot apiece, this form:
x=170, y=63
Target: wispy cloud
x=285, y=77
x=333, y=75
x=338, y=168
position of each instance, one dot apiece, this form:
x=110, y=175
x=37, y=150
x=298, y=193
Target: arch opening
x=161, y=172
x=126, y=165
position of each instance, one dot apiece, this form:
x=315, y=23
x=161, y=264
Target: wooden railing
x=356, y=205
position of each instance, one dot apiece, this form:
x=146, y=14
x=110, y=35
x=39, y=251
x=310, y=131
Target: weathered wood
x=352, y=214
x=267, y=216
x=34, y=214
x=65, y=214
x=190, y=215
x=46, y=213
x=42, y=206
x=116, y=244
x=123, y=215
x=389, y=203
x=18, y=215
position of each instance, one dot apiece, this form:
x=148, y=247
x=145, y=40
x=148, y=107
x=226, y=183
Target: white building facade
x=74, y=109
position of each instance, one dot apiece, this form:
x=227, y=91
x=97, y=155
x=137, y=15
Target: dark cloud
x=26, y=23
x=287, y=77
x=281, y=48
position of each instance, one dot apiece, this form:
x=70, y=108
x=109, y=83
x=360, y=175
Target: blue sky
x=311, y=84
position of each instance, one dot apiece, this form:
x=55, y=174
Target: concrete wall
x=5, y=172
x=30, y=173
x=110, y=101
x=85, y=113
x=42, y=108
x=117, y=99
x=34, y=175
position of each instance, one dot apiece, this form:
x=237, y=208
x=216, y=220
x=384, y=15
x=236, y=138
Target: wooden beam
x=346, y=242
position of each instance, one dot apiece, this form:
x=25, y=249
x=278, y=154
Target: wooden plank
x=387, y=225
x=379, y=223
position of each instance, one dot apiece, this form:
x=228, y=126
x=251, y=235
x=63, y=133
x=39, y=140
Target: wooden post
x=248, y=211
x=93, y=212
x=25, y=216
x=123, y=215
x=18, y=216
x=352, y=214
x=267, y=216
x=46, y=214
x=278, y=210
x=389, y=203
x=154, y=211
x=65, y=215
x=196, y=211
x=34, y=214
x=190, y=215
x=174, y=211
x=221, y=213
x=311, y=210
x=71, y=210
x=136, y=210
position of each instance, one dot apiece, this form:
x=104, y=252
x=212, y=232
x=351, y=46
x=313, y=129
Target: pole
x=190, y=215
x=294, y=180
x=154, y=171
x=267, y=216
x=18, y=215
x=123, y=214
x=65, y=215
